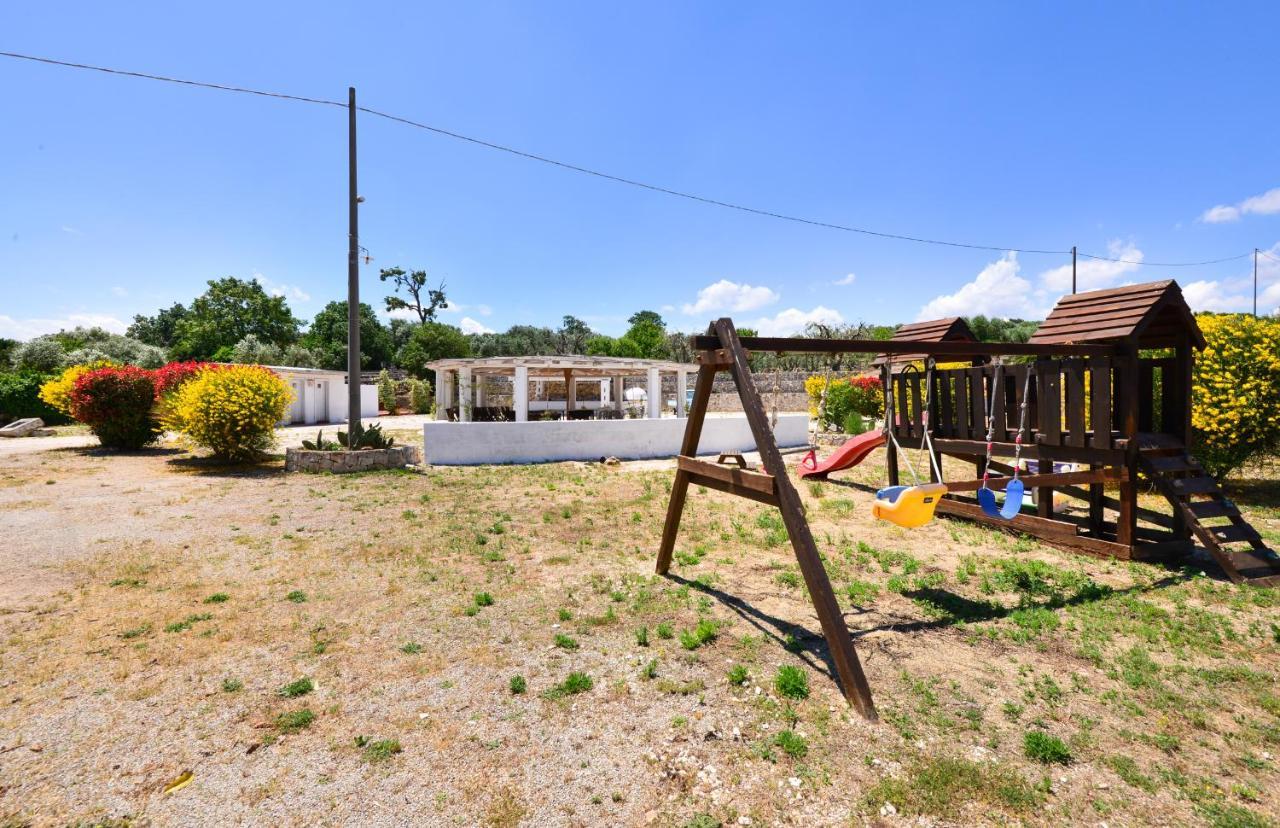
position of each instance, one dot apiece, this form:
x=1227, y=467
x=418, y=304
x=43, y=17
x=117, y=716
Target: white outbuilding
x=320, y=396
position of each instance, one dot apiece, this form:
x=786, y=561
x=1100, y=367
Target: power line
x=1268, y=255
x=715, y=202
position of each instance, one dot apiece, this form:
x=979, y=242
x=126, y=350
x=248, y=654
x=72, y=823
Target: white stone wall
x=462, y=444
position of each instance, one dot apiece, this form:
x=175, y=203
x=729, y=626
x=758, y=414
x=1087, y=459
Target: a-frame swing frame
x=772, y=487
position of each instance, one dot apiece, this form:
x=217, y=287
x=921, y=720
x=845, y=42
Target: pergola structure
x=462, y=387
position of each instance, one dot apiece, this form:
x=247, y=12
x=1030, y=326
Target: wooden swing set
x=1095, y=400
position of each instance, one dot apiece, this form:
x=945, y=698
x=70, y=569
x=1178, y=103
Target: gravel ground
x=159, y=612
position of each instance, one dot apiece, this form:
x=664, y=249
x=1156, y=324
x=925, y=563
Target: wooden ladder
x=1197, y=497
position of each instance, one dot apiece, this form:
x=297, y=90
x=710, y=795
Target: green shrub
x=20, y=398
x=738, y=675
x=792, y=682
x=854, y=424
x=386, y=392
x=1044, y=748
x=704, y=633
x=573, y=684
x=116, y=403
x=420, y=400
x=518, y=685
x=792, y=744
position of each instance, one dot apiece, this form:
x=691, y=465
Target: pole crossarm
x=799, y=345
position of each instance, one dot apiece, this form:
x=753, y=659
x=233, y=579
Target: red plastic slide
x=853, y=452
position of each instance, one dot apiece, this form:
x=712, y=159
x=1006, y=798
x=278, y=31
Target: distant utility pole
x=1073, y=270
x=353, y=273
x=1255, y=283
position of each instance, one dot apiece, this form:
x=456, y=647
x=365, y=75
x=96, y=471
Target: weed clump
x=791, y=682
x=1046, y=749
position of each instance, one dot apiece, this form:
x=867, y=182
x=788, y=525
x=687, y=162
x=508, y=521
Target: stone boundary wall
x=345, y=462
x=791, y=393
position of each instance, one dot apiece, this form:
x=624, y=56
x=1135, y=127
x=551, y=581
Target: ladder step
x=1174, y=463
x=1235, y=534
x=1195, y=485
x=1212, y=508
x=1256, y=563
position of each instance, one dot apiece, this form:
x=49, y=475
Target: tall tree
x=327, y=337
x=227, y=312
x=431, y=340
x=649, y=316
x=415, y=285
x=160, y=330
x=573, y=335
x=645, y=339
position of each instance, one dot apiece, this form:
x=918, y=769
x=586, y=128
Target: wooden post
x=1127, y=381
x=688, y=448
x=852, y=680
x=890, y=448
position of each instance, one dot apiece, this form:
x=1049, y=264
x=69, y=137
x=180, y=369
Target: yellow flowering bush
x=1236, y=391
x=232, y=410
x=56, y=393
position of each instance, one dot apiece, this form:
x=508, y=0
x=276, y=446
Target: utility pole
x=353, y=273
x=1073, y=270
x=1255, y=283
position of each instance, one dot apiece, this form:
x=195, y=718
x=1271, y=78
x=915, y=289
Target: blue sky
x=1145, y=131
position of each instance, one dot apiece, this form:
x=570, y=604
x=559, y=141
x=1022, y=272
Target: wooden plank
x=1174, y=463
x=946, y=425
x=970, y=448
x=1048, y=379
x=736, y=476
x=903, y=423
x=977, y=401
x=1235, y=533
x=801, y=345
x=995, y=403
x=917, y=407
x=1055, y=533
x=1212, y=508
x=1073, y=370
x=733, y=489
x=961, y=380
x=1050, y=479
x=1195, y=485
x=852, y=680
x=1100, y=402
x=1126, y=382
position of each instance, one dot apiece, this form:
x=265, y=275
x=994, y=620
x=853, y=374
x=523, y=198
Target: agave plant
x=358, y=437
x=320, y=444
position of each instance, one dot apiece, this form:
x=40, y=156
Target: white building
x=502, y=410
x=320, y=396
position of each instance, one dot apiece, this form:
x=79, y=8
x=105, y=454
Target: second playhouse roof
x=1149, y=315
x=951, y=329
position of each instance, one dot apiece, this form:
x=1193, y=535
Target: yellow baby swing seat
x=908, y=506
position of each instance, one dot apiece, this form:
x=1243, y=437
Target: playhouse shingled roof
x=1149, y=315
x=950, y=329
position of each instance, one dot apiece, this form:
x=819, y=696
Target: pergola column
x=619, y=392
x=482, y=398
x=654, y=394
x=570, y=392
x=444, y=393
x=464, y=395
x=682, y=388
x=520, y=394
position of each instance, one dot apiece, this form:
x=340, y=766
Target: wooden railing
x=1073, y=403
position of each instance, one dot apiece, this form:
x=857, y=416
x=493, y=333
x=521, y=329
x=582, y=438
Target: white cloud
x=471, y=326
x=23, y=329
x=402, y=313
x=847, y=279
x=793, y=320
x=997, y=291
x=71, y=230
x=119, y=291
x=1094, y=274
x=729, y=296
x=1263, y=204
x=459, y=307
x=287, y=291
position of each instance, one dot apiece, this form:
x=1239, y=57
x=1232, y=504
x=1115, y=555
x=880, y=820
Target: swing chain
x=997, y=376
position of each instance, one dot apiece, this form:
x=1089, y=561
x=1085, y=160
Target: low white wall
x=465, y=444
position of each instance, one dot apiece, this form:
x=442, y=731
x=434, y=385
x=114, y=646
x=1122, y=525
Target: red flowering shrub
x=168, y=377
x=116, y=404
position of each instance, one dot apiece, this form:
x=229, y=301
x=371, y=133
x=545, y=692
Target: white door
x=296, y=410
x=322, y=401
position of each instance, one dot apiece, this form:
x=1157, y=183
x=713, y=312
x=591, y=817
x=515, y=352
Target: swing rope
x=924, y=420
